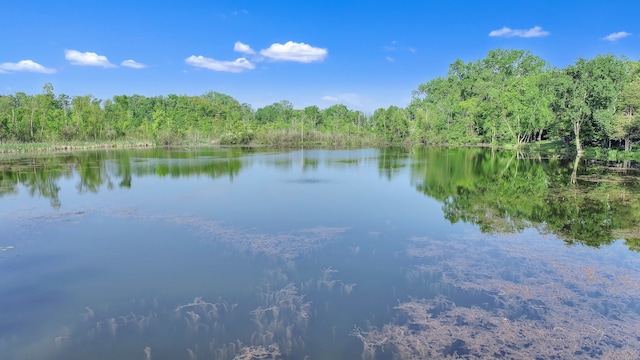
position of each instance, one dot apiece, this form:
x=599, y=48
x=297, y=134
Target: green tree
x=6, y=116
x=586, y=94
x=393, y=123
x=526, y=108
x=483, y=100
x=626, y=124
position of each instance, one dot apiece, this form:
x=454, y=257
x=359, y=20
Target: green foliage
x=239, y=133
x=587, y=97
x=509, y=98
x=513, y=97
x=392, y=124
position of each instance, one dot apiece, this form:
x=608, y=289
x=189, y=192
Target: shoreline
x=26, y=148
x=544, y=149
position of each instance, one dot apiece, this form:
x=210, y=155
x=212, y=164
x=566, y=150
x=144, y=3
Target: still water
x=317, y=254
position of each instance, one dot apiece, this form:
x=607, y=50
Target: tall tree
x=627, y=123
x=6, y=113
x=586, y=92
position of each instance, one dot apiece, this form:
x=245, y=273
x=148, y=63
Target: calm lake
x=317, y=254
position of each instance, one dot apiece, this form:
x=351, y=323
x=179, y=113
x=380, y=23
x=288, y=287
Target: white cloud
x=616, y=36
x=133, y=64
x=330, y=98
x=243, y=48
x=87, y=59
x=390, y=59
x=292, y=51
x=535, y=31
x=26, y=66
x=236, y=66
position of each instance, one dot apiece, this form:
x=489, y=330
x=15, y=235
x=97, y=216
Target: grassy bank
x=281, y=138
x=17, y=147
x=285, y=139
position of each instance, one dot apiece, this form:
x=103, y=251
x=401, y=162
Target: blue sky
x=364, y=54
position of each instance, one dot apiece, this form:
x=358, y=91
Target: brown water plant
x=523, y=299
x=474, y=333
x=205, y=317
x=259, y=353
x=131, y=321
x=326, y=282
x=287, y=245
x=199, y=325
x=283, y=319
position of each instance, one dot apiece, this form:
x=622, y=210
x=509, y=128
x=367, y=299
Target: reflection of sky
x=104, y=249
x=330, y=194
x=335, y=188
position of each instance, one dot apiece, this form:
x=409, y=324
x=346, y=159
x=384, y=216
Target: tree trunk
x=15, y=123
x=576, y=131
x=574, y=173
x=33, y=111
x=627, y=143
x=384, y=126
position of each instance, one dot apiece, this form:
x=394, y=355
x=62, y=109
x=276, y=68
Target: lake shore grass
x=18, y=147
x=286, y=138
x=290, y=139
x=281, y=139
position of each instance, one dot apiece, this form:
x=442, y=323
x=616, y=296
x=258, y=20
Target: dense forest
x=510, y=97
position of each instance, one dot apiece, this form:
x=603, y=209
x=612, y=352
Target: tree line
x=172, y=119
x=514, y=97
x=508, y=97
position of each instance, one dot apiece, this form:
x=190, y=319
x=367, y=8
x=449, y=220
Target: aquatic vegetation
x=543, y=307
x=259, y=352
x=283, y=319
x=199, y=326
x=473, y=332
x=205, y=317
x=287, y=245
x=521, y=303
x=327, y=282
x=204, y=329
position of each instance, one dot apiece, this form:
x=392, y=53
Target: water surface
x=324, y=254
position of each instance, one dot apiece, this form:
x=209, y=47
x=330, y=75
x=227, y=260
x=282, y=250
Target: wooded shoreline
x=510, y=98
